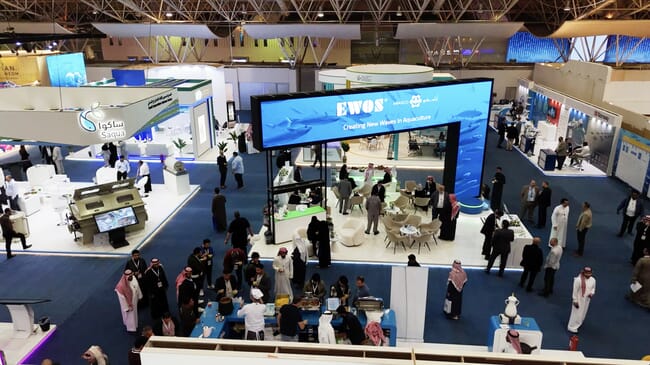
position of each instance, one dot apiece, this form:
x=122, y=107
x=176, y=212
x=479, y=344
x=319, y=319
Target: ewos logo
x=416, y=100
x=356, y=107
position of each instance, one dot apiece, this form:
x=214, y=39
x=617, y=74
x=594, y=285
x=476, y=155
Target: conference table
x=223, y=328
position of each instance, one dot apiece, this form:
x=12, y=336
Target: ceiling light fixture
x=169, y=14
x=567, y=7
x=320, y=13
x=399, y=11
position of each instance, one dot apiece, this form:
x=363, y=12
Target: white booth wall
x=243, y=82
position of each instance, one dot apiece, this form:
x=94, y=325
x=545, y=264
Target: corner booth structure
x=291, y=120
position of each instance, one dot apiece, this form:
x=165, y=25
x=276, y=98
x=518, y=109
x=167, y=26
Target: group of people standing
x=236, y=163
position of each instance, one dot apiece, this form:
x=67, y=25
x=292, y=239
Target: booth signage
x=107, y=129
x=600, y=115
x=281, y=121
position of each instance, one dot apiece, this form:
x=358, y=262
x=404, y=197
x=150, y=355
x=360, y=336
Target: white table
x=522, y=238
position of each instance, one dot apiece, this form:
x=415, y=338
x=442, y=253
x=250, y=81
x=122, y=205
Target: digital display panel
x=115, y=219
x=68, y=70
x=128, y=77
x=308, y=118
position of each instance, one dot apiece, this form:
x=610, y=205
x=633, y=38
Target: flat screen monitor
x=115, y=219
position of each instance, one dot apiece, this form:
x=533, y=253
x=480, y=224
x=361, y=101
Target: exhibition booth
x=185, y=133
x=112, y=218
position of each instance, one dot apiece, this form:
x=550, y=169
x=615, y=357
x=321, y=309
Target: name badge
x=160, y=284
x=209, y=263
x=643, y=237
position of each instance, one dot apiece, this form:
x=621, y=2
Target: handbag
x=447, y=306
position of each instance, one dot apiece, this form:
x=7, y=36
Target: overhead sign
x=308, y=118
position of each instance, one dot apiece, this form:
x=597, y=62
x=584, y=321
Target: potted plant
x=345, y=146
x=233, y=137
x=222, y=146
x=180, y=144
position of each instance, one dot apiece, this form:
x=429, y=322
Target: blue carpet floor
x=85, y=307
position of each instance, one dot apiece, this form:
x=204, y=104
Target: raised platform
x=466, y=246
x=48, y=238
x=19, y=349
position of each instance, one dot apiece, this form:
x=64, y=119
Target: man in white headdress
x=283, y=266
x=584, y=288
x=325, y=329
x=128, y=293
x=95, y=356
x=560, y=221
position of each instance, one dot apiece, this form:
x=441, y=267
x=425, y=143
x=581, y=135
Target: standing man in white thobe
x=559, y=222
x=143, y=172
x=584, y=288
x=57, y=157
x=128, y=293
x=283, y=266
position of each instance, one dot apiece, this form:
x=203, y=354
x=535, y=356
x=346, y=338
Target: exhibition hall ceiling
x=541, y=17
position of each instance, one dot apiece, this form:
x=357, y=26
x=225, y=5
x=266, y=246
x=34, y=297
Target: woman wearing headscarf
x=455, y=284
x=448, y=218
x=299, y=256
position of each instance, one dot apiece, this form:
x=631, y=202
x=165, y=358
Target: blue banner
x=67, y=70
x=319, y=117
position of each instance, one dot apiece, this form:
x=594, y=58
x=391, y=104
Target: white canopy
x=438, y=30
x=338, y=31
x=151, y=30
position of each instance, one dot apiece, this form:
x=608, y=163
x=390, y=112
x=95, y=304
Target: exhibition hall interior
x=368, y=152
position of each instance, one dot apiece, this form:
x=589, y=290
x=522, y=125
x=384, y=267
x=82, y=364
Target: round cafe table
x=410, y=232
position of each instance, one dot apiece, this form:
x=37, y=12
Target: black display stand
x=117, y=238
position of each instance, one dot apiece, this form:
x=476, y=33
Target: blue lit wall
x=526, y=48
x=640, y=55
x=67, y=69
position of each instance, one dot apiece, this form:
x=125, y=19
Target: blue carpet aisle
x=85, y=306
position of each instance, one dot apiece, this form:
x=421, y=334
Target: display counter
x=529, y=333
x=219, y=329
x=522, y=238
x=546, y=160
x=293, y=219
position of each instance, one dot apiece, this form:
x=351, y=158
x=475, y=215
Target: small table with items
x=529, y=333
x=223, y=328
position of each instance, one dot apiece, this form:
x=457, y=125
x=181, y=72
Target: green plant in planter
x=222, y=146
x=180, y=144
x=345, y=146
x=234, y=137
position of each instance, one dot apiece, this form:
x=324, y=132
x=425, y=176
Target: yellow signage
x=19, y=70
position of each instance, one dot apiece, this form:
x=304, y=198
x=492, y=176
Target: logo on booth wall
x=416, y=100
x=94, y=121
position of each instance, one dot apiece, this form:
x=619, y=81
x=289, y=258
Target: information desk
x=22, y=315
x=293, y=219
x=388, y=323
x=529, y=333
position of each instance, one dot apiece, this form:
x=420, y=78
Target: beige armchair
x=413, y=220
x=395, y=239
x=431, y=228
x=351, y=233
x=402, y=202
x=422, y=203
x=356, y=200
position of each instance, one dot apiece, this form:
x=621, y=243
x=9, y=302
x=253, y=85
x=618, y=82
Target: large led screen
x=67, y=69
x=301, y=119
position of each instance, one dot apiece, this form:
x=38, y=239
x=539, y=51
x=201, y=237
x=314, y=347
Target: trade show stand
x=223, y=328
x=161, y=350
x=529, y=333
x=286, y=224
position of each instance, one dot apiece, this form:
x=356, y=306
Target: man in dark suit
x=531, y=260
x=489, y=226
x=543, y=202
x=439, y=202
x=429, y=186
x=498, y=181
x=379, y=190
x=226, y=285
x=501, y=247
x=632, y=208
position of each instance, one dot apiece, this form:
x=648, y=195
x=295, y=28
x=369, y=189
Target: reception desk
x=293, y=219
x=219, y=329
x=529, y=333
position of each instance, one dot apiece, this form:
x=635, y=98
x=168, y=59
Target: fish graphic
x=285, y=132
x=85, y=123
